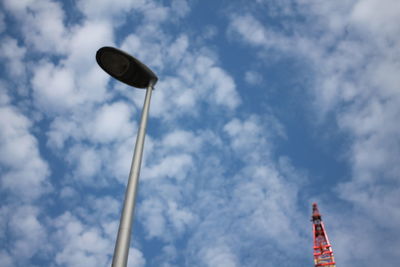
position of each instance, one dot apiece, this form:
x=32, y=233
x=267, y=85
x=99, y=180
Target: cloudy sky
x=262, y=107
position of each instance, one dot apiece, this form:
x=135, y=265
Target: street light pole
x=124, y=232
x=131, y=71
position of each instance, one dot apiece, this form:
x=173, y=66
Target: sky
x=261, y=108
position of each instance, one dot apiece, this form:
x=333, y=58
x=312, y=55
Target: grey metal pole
x=120, y=258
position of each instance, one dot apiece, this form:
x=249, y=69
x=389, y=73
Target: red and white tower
x=323, y=253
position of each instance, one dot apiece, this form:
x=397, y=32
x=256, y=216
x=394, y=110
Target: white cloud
x=182, y=139
x=61, y=129
x=164, y=219
x=252, y=31
x=174, y=166
x=87, y=161
x=135, y=258
x=89, y=123
x=154, y=13
x=6, y=259
x=378, y=17
x=24, y=180
x=225, y=93
x=54, y=88
x=4, y=98
x=219, y=256
x=28, y=231
x=180, y=218
x=99, y=167
x=151, y=213
x=174, y=155
x=178, y=49
x=106, y=208
x=80, y=245
x=180, y=7
x=42, y=23
x=68, y=192
x=247, y=136
x=215, y=84
x=112, y=123
x=22, y=232
x=25, y=172
x=209, y=32
x=77, y=80
x=120, y=157
x=253, y=78
x=14, y=54
x=270, y=211
x=148, y=10
x=106, y=8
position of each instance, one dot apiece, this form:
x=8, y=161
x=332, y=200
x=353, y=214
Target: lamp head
x=125, y=67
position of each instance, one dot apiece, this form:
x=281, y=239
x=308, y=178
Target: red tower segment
x=323, y=253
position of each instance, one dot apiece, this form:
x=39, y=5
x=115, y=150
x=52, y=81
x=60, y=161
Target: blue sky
x=262, y=107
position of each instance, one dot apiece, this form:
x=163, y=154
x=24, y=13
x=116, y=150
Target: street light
x=131, y=71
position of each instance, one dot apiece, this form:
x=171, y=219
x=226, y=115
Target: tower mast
x=323, y=253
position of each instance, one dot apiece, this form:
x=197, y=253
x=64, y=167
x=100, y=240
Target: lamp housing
x=125, y=68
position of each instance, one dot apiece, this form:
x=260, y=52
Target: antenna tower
x=323, y=253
